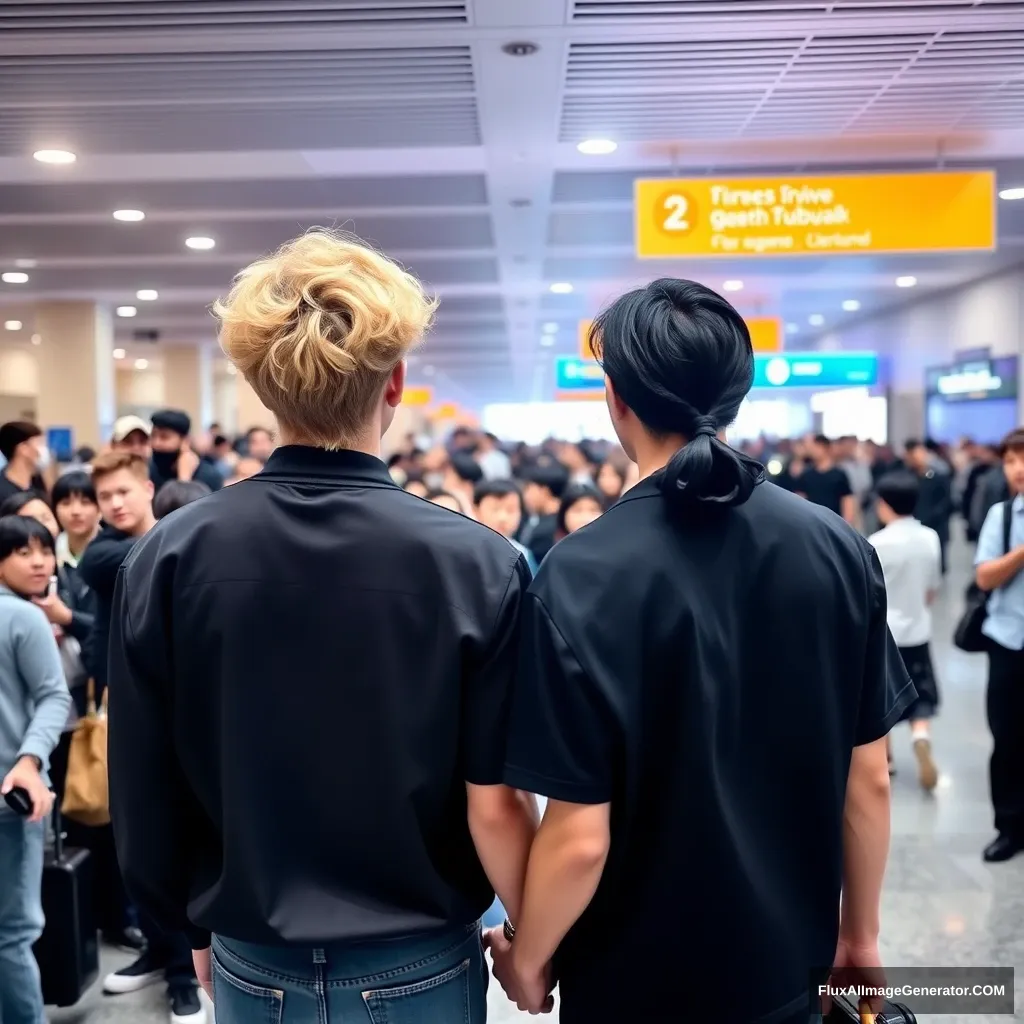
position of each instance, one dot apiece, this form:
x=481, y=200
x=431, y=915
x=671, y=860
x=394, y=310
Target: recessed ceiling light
x=118, y=353
x=732, y=286
x=547, y=340
x=25, y=264
x=12, y=325
x=129, y=216
x=907, y=281
x=126, y=311
x=147, y=295
x=520, y=49
x=37, y=339
x=55, y=156
x=550, y=327
x=561, y=288
x=141, y=364
x=792, y=328
x=1012, y=193
x=815, y=319
x=14, y=277
x=597, y=147
x=200, y=242
x=851, y=305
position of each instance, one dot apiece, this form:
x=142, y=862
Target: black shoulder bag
x=968, y=635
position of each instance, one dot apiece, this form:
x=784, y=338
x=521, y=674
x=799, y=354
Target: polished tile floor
x=943, y=906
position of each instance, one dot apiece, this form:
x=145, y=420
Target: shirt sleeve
x=152, y=807
x=562, y=735
x=488, y=688
x=886, y=689
x=845, y=490
x=40, y=668
x=990, y=540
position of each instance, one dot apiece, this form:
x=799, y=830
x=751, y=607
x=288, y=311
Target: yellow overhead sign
x=765, y=333
x=586, y=352
x=417, y=396
x=823, y=215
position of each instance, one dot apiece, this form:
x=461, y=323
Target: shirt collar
x=1018, y=503
x=304, y=462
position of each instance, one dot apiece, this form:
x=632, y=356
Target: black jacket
x=206, y=473
x=935, y=502
x=97, y=569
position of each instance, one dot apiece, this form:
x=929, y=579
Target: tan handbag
x=86, y=792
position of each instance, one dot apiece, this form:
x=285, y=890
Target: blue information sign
x=815, y=370
x=575, y=374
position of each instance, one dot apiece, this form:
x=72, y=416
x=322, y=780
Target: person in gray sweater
x=34, y=705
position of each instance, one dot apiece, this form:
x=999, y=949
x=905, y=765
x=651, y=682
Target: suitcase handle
x=58, y=833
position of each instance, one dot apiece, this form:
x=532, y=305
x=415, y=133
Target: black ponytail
x=679, y=355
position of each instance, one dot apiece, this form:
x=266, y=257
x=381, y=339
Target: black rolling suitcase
x=68, y=951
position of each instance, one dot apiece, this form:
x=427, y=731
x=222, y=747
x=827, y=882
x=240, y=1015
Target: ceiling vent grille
x=792, y=86
x=638, y=11
x=112, y=16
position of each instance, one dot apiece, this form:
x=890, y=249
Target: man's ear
x=395, y=386
x=616, y=405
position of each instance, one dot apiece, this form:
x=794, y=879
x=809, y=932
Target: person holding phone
x=34, y=705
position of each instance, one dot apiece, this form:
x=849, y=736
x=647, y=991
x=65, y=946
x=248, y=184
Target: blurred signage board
x=575, y=374
x=445, y=411
x=816, y=370
x=586, y=352
x=417, y=396
x=60, y=441
x=765, y=333
x=974, y=380
x=580, y=396
x=827, y=215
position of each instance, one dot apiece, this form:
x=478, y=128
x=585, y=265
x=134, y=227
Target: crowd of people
x=337, y=689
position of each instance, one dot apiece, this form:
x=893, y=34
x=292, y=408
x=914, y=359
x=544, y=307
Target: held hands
x=56, y=610
x=857, y=964
x=188, y=463
x=529, y=990
x=201, y=961
x=26, y=775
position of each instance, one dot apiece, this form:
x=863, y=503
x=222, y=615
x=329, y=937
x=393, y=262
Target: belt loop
x=319, y=957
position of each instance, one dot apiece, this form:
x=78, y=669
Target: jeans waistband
x=350, y=959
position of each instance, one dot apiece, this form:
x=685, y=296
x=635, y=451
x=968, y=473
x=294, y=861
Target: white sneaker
x=135, y=976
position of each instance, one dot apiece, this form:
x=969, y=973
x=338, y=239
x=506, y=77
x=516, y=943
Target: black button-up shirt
x=306, y=669
x=709, y=681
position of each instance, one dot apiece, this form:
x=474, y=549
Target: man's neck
x=19, y=473
x=653, y=454
x=77, y=543
x=144, y=527
x=824, y=465
x=368, y=443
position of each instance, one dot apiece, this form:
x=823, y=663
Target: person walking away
x=911, y=559
x=173, y=457
x=34, y=705
x=1000, y=570
x=24, y=448
x=824, y=483
x=935, y=503
x=310, y=681
x=705, y=687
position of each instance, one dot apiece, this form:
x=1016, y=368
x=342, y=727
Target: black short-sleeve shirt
x=710, y=681
x=825, y=487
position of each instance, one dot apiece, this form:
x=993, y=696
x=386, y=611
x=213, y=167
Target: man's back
x=911, y=558
x=334, y=654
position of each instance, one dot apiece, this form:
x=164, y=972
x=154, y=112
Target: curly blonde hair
x=318, y=327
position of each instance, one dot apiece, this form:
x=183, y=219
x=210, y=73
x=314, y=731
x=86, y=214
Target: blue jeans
x=435, y=978
x=21, y=919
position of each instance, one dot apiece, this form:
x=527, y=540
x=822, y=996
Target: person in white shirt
x=911, y=559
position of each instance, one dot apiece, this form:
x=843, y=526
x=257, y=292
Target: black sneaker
x=145, y=971
x=185, y=1005
x=128, y=940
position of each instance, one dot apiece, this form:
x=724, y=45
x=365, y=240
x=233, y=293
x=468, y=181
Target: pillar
x=76, y=370
x=188, y=382
x=251, y=412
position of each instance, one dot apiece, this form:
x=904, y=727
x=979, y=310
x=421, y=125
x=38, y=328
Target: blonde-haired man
x=310, y=683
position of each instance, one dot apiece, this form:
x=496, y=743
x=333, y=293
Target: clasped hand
x=529, y=990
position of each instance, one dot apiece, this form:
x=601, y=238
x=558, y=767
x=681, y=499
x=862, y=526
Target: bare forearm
x=865, y=849
x=563, y=876
x=503, y=843
x=998, y=572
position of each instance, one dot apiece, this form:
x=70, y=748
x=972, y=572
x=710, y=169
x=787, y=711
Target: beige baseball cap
x=129, y=424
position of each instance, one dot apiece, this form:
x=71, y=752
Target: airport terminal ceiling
x=447, y=132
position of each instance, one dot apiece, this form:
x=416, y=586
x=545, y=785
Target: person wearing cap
x=131, y=434
x=24, y=447
x=173, y=457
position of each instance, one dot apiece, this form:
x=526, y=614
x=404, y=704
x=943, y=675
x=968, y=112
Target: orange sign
x=446, y=411
x=418, y=396
x=579, y=396
x=827, y=215
x=765, y=333
x=586, y=352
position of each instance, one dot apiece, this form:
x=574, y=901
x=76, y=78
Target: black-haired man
x=173, y=457
x=24, y=448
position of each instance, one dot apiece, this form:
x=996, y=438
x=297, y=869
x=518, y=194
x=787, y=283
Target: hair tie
x=704, y=425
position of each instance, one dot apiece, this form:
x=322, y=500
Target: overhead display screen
x=830, y=215
x=974, y=381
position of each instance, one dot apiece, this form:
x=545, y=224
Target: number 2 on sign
x=676, y=206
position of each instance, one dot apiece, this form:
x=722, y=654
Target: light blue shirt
x=1005, y=621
